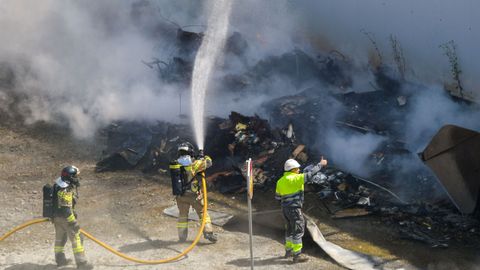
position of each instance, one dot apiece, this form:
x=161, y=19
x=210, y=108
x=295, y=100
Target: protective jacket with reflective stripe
x=198, y=166
x=290, y=187
x=65, y=203
x=187, y=174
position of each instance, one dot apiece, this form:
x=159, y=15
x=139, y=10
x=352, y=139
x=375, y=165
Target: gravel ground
x=124, y=209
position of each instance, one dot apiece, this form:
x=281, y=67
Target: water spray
x=207, y=55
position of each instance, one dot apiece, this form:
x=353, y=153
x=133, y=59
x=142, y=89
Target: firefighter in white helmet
x=289, y=191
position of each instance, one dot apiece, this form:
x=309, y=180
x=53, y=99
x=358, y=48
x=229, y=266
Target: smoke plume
x=80, y=63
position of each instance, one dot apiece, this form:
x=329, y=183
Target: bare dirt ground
x=124, y=209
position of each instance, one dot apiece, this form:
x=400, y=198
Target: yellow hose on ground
x=23, y=226
x=120, y=254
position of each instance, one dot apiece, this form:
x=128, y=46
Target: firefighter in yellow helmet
x=65, y=218
x=289, y=191
x=186, y=186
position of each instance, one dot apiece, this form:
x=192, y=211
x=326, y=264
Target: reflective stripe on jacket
x=191, y=171
x=290, y=188
x=198, y=166
x=65, y=198
x=65, y=203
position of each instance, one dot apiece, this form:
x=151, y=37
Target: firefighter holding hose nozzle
x=289, y=191
x=185, y=172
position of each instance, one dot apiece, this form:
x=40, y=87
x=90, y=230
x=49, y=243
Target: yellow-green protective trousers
x=183, y=203
x=64, y=230
x=295, y=229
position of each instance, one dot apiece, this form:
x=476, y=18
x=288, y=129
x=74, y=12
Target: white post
x=249, y=199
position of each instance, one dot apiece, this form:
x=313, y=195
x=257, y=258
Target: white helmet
x=291, y=164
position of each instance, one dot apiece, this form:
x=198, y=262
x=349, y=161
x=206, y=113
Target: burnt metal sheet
x=453, y=154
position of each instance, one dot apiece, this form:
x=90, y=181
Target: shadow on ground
x=32, y=266
x=271, y=226
x=149, y=244
x=245, y=262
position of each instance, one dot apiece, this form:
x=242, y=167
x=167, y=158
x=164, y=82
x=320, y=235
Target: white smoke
x=81, y=62
x=419, y=26
x=351, y=152
x=432, y=108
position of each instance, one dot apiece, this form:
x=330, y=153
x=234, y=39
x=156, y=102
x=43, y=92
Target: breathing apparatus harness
x=178, y=171
x=68, y=179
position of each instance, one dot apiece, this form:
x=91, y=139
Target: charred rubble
x=298, y=66
x=294, y=129
x=150, y=147
x=424, y=217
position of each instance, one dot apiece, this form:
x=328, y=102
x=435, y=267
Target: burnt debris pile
x=300, y=103
x=150, y=147
x=435, y=225
x=319, y=116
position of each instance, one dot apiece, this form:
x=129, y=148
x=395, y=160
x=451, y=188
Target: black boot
x=182, y=236
x=299, y=258
x=182, y=239
x=210, y=236
x=84, y=266
x=61, y=260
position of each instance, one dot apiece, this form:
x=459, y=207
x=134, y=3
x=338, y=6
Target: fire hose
x=120, y=254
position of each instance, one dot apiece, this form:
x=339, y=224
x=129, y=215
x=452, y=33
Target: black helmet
x=185, y=148
x=70, y=175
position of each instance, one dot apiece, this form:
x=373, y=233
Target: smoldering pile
x=392, y=183
x=316, y=117
x=231, y=141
